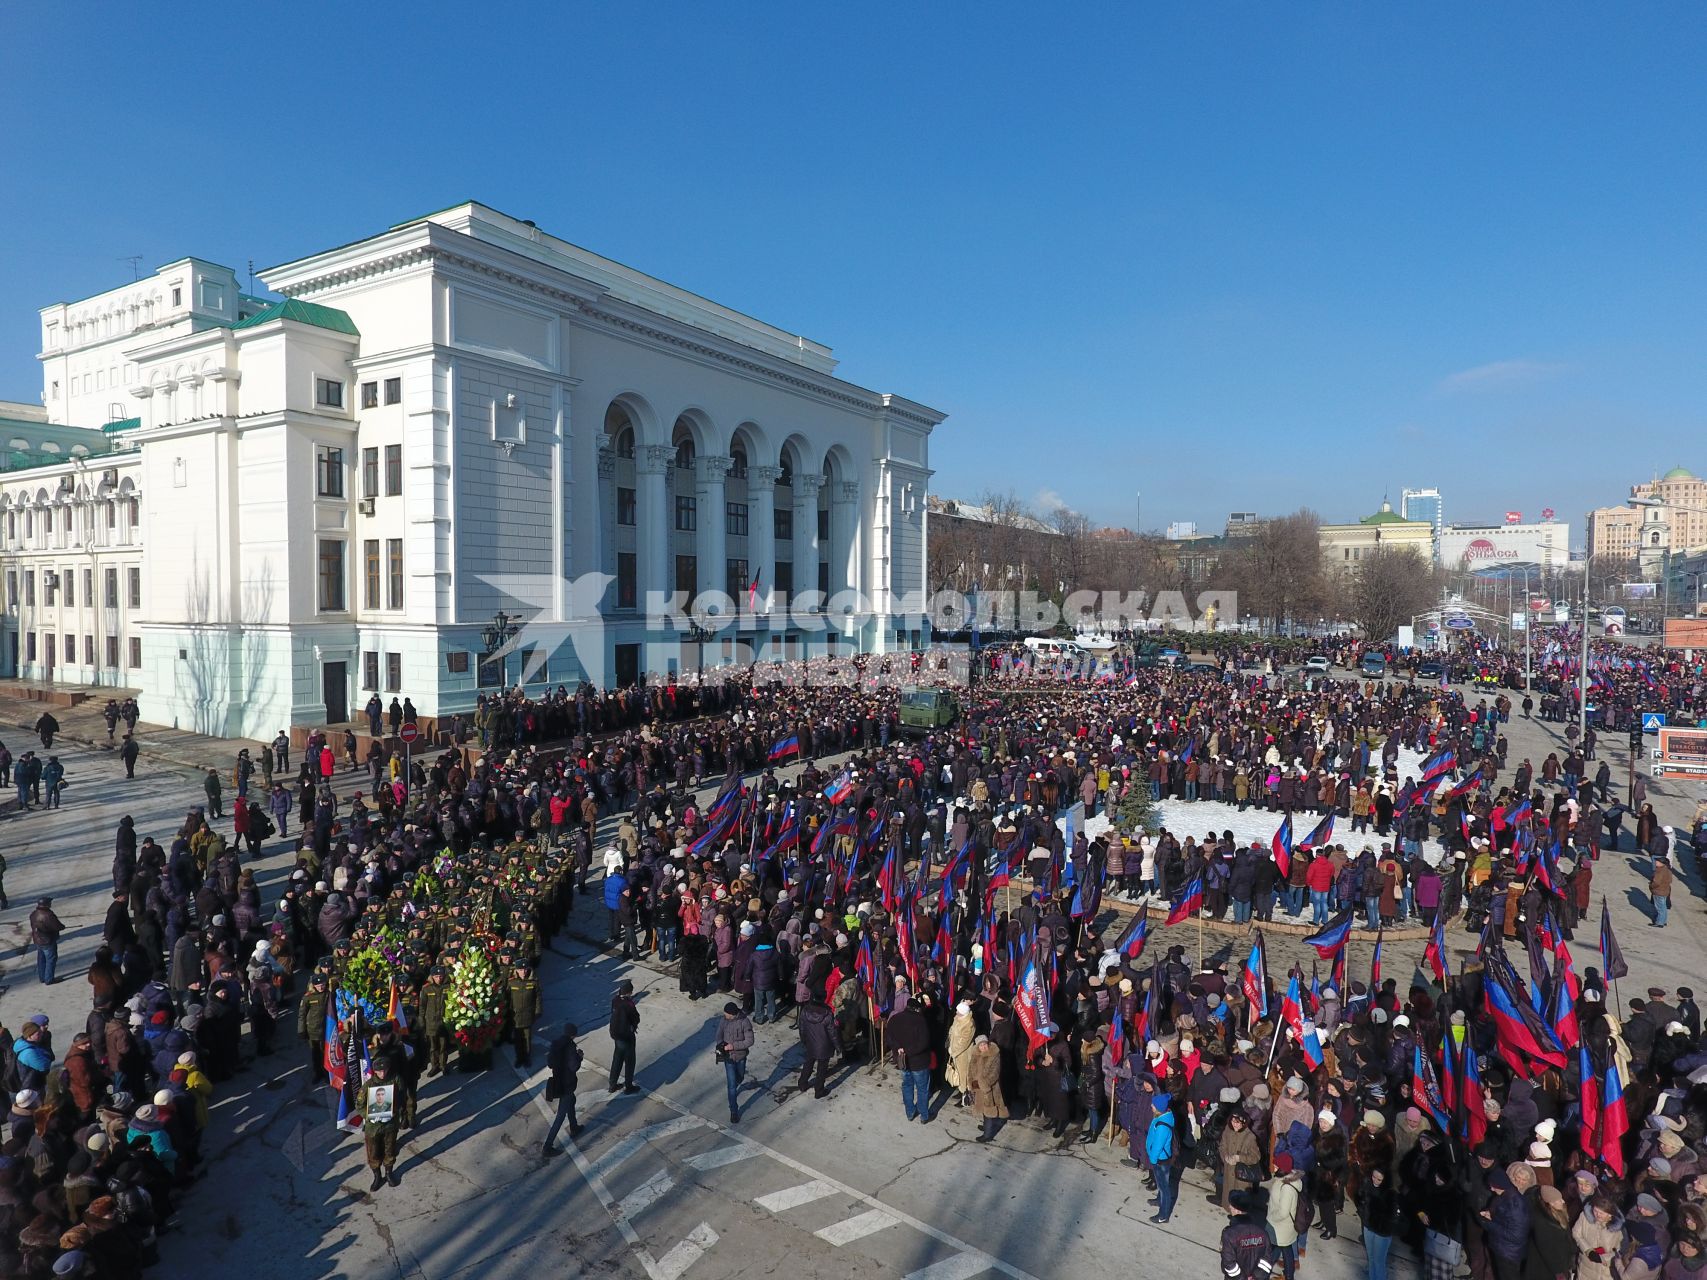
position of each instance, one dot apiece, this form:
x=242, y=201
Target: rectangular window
x=89, y=585
x=393, y=470
x=110, y=585
x=687, y=574
x=329, y=471
x=624, y=506
x=89, y=650
x=370, y=670
x=30, y=587
x=113, y=652
x=370, y=573
x=783, y=523
x=735, y=519
x=456, y=662
x=784, y=586
x=112, y=514
x=331, y=575
x=48, y=582
x=328, y=393
x=370, y=395
x=30, y=647
x=135, y=587
x=394, y=573
x=687, y=513
x=177, y=296
x=394, y=391
x=136, y=652
x=69, y=578
x=393, y=672
x=70, y=650
x=11, y=588
x=823, y=527
x=737, y=582
x=370, y=472
x=627, y=580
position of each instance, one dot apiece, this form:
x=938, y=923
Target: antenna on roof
x=251, y=277
x=135, y=260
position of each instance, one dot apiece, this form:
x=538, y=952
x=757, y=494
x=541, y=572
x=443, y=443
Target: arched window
x=625, y=442
x=684, y=453
x=738, y=460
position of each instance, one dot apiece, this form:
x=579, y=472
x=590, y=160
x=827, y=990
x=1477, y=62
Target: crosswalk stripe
x=639, y=1138
x=717, y=1157
x=959, y=1266
x=645, y=1195
x=682, y=1256
x=856, y=1228
x=793, y=1197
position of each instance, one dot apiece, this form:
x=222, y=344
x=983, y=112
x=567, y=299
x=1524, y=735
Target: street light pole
x=1582, y=667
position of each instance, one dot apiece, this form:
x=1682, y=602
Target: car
x=1373, y=664
x=1431, y=671
x=1318, y=663
x=1203, y=668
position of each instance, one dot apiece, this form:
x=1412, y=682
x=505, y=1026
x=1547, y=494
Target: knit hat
x=1230, y=1095
x=163, y=1098
x=1546, y=1129
x=1327, y=1118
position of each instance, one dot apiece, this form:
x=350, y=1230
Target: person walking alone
x=563, y=1058
x=624, y=1030
x=734, y=1041
x=818, y=1039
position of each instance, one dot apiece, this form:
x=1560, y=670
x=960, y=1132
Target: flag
x=1475, y=1116
x=1425, y=1088
x=1320, y=836
x=1131, y=943
x=1611, y=957
x=1524, y=1040
x=394, y=1010
x=1254, y=980
x=715, y=833
x=1117, y=1038
x=1282, y=845
x=1191, y=900
x=865, y=966
x=1435, y=951
x=1449, y=1088
x=1464, y=788
x=843, y=825
x=1031, y=1006
x=1565, y=990
x=753, y=593
x=1589, y=1094
x=788, y=837
x=888, y=878
x=1331, y=939
x=785, y=747
x=1311, y=1044
x=1614, y=1120
x=1292, y=1006
x=1439, y=764
x=1087, y=899
x=350, y=1098
x=840, y=788
x=1190, y=746
x=332, y=1055
x=1375, y=965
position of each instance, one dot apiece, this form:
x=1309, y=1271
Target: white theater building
x=332, y=492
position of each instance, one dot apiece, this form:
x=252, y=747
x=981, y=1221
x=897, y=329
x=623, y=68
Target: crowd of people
x=912, y=899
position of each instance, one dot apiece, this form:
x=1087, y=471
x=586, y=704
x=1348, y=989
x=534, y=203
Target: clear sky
x=1231, y=257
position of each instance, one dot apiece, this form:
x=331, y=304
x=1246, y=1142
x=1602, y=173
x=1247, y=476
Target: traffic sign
x=408, y=732
x=1653, y=721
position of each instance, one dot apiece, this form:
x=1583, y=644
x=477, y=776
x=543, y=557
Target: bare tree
x=1278, y=573
x=1072, y=549
x=1386, y=589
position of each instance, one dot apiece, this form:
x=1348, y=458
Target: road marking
x=717, y=1157
x=794, y=1197
x=642, y=1198
x=961, y=1266
x=638, y=1139
x=856, y=1228
x=683, y=1256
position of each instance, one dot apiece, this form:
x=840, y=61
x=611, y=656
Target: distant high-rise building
x=1424, y=504
x=1182, y=529
x=1242, y=524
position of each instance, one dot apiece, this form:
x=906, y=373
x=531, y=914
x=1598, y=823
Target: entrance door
x=334, y=690
x=51, y=663
x=627, y=665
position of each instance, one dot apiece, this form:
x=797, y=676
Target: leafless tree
x=1278, y=573
x=1386, y=589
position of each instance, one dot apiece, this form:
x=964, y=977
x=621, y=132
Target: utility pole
x=1582, y=669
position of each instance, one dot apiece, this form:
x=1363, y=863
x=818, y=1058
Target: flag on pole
x=1614, y=1119
x=1589, y=1095
x=1425, y=1088
x=840, y=788
x=1254, y=979
x=1375, y=964
x=1282, y=846
x=1435, y=951
x=782, y=748
x=1611, y=957
x=1474, y=1122
x=1131, y=943
x=1188, y=902
x=1332, y=937
x=1320, y=836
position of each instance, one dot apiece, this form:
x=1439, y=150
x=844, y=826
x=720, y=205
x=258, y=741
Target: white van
x=1049, y=647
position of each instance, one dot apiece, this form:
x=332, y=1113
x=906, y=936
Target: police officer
x=524, y=1010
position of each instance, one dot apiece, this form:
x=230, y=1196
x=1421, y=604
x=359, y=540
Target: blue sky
x=1233, y=257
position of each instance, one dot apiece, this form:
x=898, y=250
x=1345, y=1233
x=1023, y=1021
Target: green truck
x=925, y=709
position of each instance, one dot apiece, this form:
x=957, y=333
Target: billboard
x=1686, y=633
x=1474, y=547
x=1514, y=517
x=1682, y=751
x=1641, y=590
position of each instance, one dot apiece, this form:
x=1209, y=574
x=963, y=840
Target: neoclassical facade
x=465, y=415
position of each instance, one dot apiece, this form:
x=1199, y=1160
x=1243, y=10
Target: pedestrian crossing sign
x=1653, y=721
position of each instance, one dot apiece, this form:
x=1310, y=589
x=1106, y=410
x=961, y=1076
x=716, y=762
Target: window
x=370, y=473
x=783, y=523
x=394, y=573
x=624, y=506
x=784, y=584
x=370, y=573
x=49, y=580
x=393, y=470
x=394, y=391
x=89, y=585
x=736, y=582
x=110, y=586
x=69, y=578
x=393, y=672
x=331, y=575
x=113, y=651
x=456, y=662
x=112, y=514
x=823, y=526
x=70, y=649
x=30, y=647
x=735, y=519
x=135, y=652
x=737, y=464
x=135, y=588
x=687, y=573
x=133, y=512
x=627, y=580
x=328, y=471
x=687, y=513
x=65, y=519
x=89, y=650
x=328, y=393
x=370, y=670
x=370, y=395
x=30, y=587
x=11, y=588
x=177, y=296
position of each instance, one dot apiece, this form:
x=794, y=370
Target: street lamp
x=498, y=633
x=700, y=635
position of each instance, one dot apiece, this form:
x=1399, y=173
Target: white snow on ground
x=1200, y=817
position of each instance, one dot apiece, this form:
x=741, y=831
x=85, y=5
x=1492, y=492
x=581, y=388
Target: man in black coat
x=624, y=1028
x=818, y=1040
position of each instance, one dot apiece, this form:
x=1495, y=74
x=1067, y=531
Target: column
x=844, y=536
x=761, y=532
x=806, y=547
x=655, y=516
x=712, y=543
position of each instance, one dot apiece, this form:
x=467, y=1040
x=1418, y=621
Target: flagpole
x=1200, y=938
